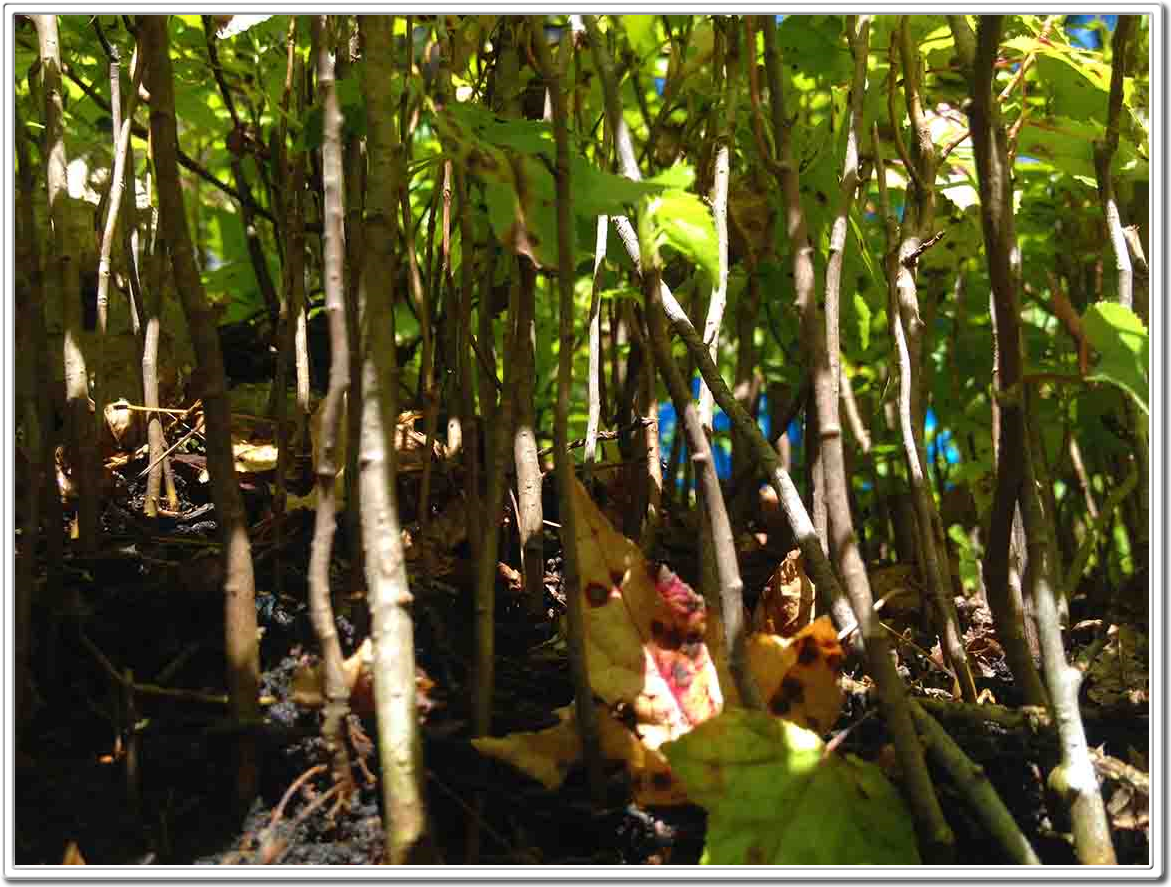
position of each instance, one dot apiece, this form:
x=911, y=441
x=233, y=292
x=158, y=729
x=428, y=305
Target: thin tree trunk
x=908, y=329
x=439, y=283
x=353, y=170
x=647, y=492
x=243, y=659
x=290, y=186
x=333, y=408
x=648, y=409
x=709, y=580
x=1074, y=779
x=399, y=742
x=420, y=299
x=991, y=150
x=744, y=387
x=1103, y=158
x=858, y=37
x=31, y=409
x=129, y=228
x=150, y=384
x=498, y=436
x=465, y=360
x=117, y=183
x=594, y=378
x=531, y=519
x=717, y=527
x=583, y=697
x=299, y=306
x=64, y=278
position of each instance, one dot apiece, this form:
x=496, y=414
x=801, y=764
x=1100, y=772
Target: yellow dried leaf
x=549, y=755
x=253, y=458
x=309, y=683
x=72, y=855
x=799, y=676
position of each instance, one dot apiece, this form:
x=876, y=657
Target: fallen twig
x=970, y=778
x=155, y=689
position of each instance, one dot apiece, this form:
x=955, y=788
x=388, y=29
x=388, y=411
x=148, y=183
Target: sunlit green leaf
x=1121, y=340
x=642, y=33
x=775, y=797
x=684, y=222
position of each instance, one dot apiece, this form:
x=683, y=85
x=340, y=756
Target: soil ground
x=154, y=785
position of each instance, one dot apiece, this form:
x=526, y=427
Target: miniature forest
x=579, y=440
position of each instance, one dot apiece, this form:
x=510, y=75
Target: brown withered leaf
x=779, y=610
x=308, y=683
x=411, y=444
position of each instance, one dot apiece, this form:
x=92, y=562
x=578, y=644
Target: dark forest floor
x=150, y=603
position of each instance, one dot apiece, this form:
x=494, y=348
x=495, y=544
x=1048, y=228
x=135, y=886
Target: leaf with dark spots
x=779, y=705
x=807, y=650
x=808, y=662
x=597, y=595
x=792, y=690
x=637, y=651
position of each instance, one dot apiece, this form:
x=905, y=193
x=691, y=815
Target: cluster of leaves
x=774, y=792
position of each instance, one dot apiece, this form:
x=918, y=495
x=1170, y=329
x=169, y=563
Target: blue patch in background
x=1080, y=32
x=938, y=439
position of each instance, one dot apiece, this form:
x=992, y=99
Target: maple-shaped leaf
x=775, y=797
x=644, y=632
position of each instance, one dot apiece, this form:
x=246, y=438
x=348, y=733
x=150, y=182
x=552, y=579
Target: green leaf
x=1121, y=340
x=774, y=797
x=596, y=192
x=814, y=45
x=469, y=122
x=863, y=246
x=680, y=176
x=640, y=31
x=1078, y=81
x=862, y=316
x=681, y=220
x=312, y=129
x=485, y=144
x=1067, y=145
x=233, y=283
